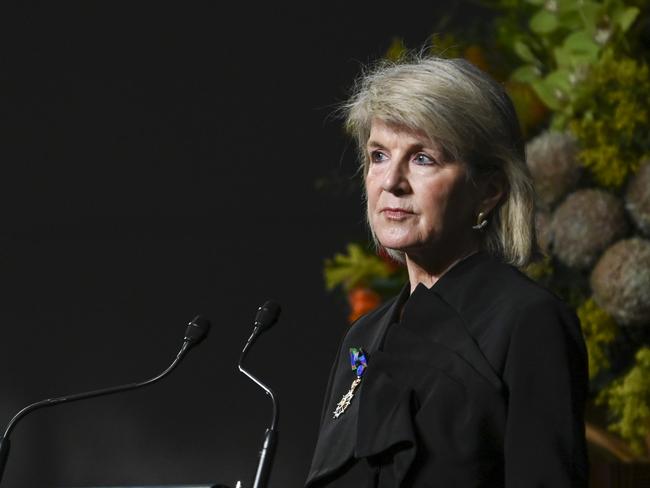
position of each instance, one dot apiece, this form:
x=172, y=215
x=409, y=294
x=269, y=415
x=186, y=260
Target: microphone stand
x=271, y=434
x=195, y=332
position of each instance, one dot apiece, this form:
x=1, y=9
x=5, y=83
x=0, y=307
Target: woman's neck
x=429, y=270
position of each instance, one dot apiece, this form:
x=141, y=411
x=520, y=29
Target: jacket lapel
x=337, y=437
x=428, y=315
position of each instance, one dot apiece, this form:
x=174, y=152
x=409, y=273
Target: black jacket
x=481, y=383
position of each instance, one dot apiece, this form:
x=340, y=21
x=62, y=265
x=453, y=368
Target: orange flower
x=530, y=109
x=362, y=300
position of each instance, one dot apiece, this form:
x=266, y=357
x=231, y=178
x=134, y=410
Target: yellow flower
x=628, y=399
x=599, y=330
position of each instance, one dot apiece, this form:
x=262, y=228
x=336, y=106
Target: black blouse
x=480, y=383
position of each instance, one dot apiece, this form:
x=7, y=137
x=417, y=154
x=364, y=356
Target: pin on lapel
x=359, y=363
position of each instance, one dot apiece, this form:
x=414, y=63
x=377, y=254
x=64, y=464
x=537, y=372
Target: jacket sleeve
x=547, y=382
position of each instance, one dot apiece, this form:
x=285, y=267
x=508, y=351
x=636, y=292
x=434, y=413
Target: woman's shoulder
x=498, y=302
x=489, y=282
x=533, y=305
x=516, y=295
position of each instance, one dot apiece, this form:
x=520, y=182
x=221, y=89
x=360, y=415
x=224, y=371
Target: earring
x=481, y=222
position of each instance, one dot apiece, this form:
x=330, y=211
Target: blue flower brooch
x=359, y=363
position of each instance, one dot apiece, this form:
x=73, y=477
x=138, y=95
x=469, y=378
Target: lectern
x=155, y=486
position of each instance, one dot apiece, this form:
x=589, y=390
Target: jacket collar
x=444, y=313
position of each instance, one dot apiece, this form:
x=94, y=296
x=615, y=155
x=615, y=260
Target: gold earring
x=481, y=222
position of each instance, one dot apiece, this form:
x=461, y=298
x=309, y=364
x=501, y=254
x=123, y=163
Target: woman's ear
x=493, y=189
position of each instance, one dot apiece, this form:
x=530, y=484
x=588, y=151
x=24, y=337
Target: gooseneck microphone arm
x=195, y=332
x=267, y=390
x=50, y=402
x=266, y=316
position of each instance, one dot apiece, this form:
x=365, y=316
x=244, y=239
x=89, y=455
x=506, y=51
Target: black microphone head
x=267, y=315
x=196, y=330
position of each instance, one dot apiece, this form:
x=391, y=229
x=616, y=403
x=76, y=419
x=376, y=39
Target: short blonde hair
x=472, y=118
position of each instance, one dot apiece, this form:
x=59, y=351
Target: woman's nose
x=396, y=180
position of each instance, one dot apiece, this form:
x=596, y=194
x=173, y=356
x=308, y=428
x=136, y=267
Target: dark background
x=159, y=160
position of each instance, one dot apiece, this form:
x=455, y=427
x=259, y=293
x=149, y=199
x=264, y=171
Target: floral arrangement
x=577, y=71
x=365, y=277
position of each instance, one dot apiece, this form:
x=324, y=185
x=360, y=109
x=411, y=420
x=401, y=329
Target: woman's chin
x=395, y=245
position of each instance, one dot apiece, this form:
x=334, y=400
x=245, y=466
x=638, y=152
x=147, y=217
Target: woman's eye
x=422, y=158
x=377, y=156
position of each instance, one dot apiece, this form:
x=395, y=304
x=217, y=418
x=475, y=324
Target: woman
x=474, y=376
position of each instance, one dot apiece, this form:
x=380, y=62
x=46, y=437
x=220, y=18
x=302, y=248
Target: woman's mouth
x=393, y=213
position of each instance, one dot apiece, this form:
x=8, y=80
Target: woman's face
x=417, y=202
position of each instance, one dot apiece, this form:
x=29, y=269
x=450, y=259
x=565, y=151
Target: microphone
x=266, y=316
x=196, y=331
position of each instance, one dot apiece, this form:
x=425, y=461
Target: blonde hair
x=472, y=118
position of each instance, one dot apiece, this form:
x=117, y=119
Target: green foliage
x=599, y=329
x=559, y=40
x=628, y=399
x=582, y=60
x=540, y=270
x=354, y=268
x=611, y=120
x=396, y=50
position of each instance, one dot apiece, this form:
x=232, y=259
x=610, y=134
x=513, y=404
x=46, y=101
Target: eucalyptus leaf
x=543, y=22
x=524, y=52
x=578, y=49
x=559, y=81
x=546, y=94
x=582, y=47
x=567, y=5
x=563, y=58
x=571, y=20
x=582, y=42
x=525, y=74
x=626, y=17
x=590, y=13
